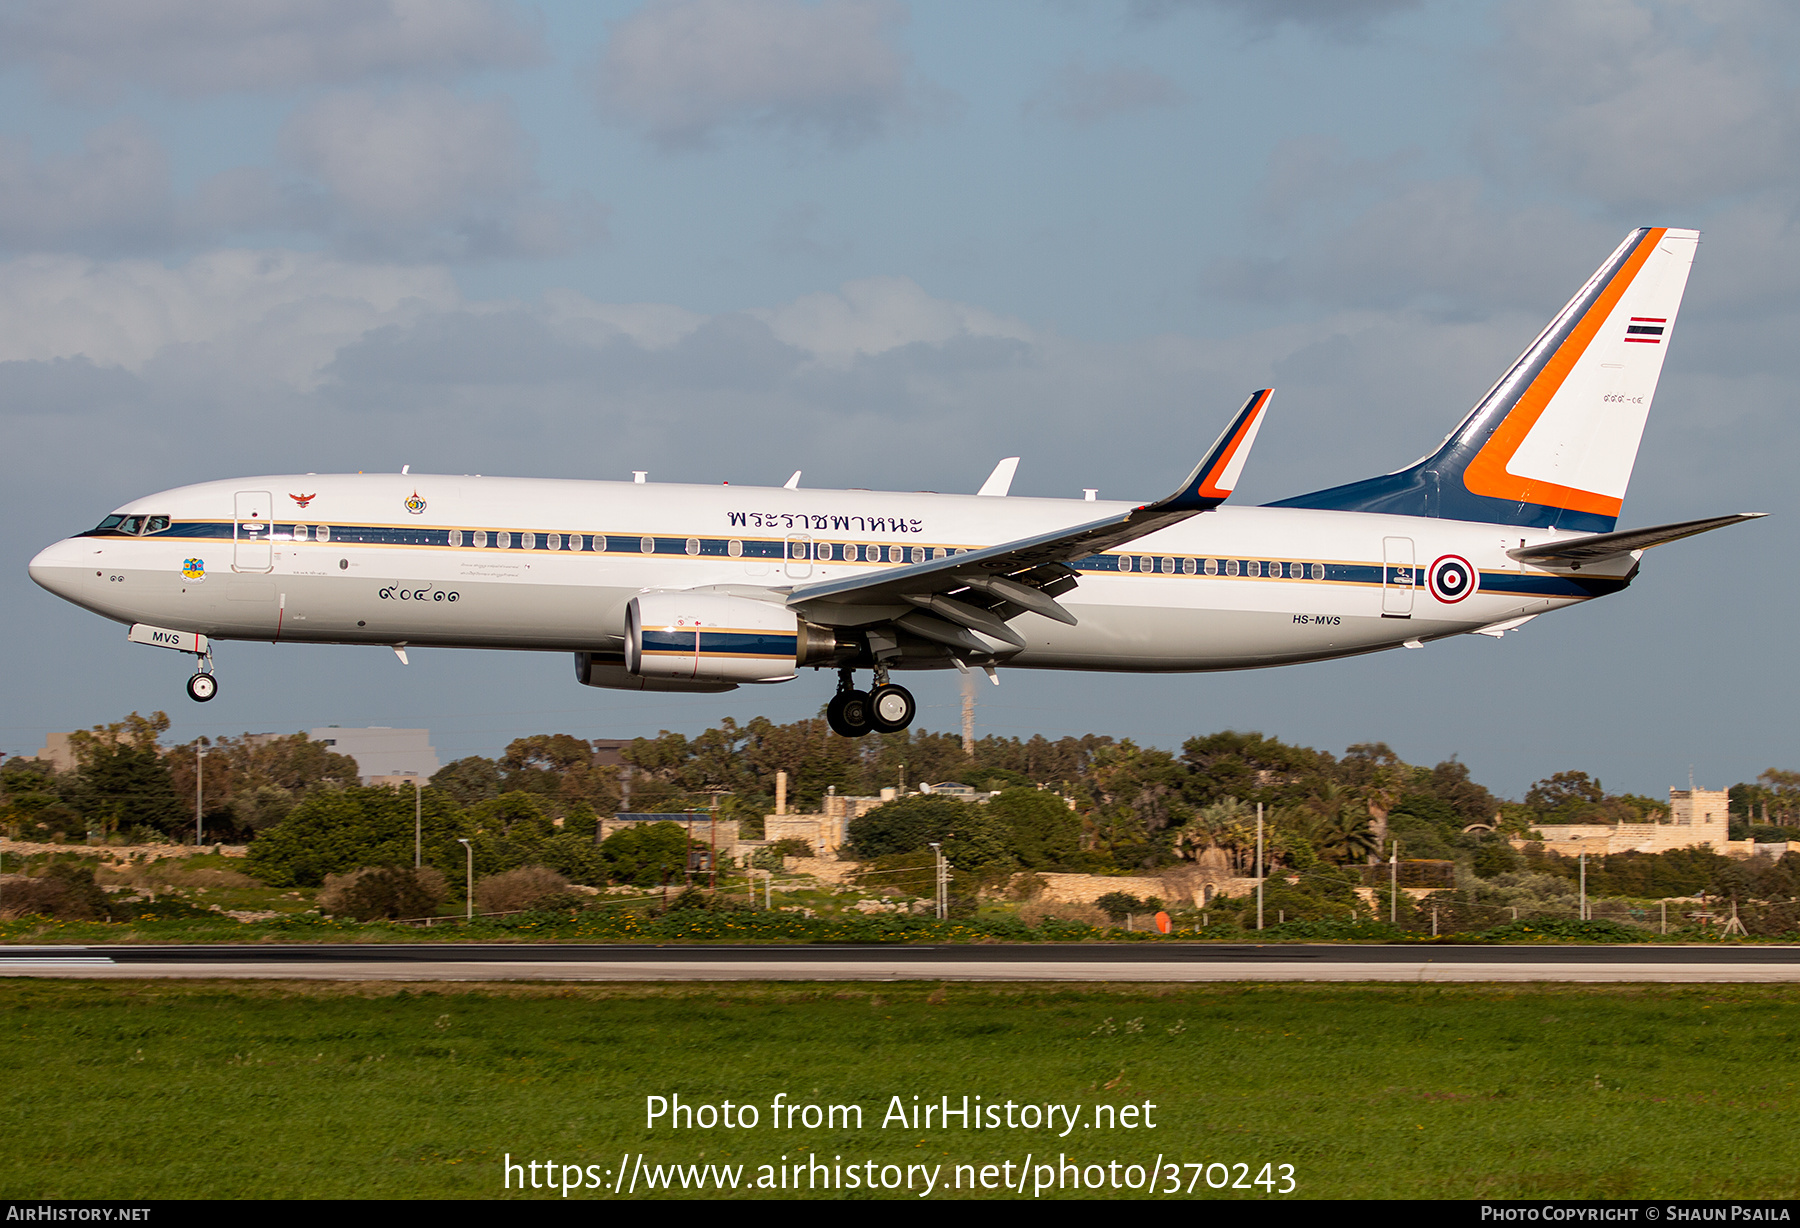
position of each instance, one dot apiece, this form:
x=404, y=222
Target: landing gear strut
x=886, y=709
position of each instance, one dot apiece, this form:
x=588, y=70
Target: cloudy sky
x=888, y=243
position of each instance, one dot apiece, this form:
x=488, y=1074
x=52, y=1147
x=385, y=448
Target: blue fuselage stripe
x=1162, y=566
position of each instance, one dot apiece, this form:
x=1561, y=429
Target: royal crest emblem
x=415, y=505
x=193, y=569
x=303, y=500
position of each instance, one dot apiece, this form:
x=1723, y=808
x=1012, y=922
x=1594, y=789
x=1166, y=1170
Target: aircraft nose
x=56, y=567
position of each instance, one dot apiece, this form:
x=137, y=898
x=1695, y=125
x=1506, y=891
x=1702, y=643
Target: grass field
x=190, y=1090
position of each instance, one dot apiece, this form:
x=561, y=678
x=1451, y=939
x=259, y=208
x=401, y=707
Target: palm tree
x=1339, y=826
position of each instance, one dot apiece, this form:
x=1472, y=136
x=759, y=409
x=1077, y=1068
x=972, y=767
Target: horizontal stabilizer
x=1575, y=551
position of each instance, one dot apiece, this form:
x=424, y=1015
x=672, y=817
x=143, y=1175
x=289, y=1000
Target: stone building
x=1698, y=818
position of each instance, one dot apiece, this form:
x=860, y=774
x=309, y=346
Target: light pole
x=1394, y=886
x=469, y=888
x=418, y=825
x=937, y=851
x=1259, y=865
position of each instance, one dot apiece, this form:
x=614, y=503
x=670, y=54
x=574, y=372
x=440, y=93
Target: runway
x=1148, y=962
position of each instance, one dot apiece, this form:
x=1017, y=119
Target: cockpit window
x=134, y=525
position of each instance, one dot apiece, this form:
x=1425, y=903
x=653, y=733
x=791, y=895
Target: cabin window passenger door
x=1398, y=577
x=251, y=531
x=799, y=557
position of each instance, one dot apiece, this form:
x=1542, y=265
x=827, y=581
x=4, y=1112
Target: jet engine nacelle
x=715, y=638
x=607, y=669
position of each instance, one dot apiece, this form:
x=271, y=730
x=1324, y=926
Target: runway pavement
x=1147, y=962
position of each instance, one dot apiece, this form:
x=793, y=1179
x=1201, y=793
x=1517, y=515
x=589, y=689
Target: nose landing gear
x=886, y=709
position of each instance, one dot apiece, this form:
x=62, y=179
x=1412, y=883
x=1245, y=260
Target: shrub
x=376, y=892
x=1557, y=927
x=524, y=888
x=693, y=899
x=63, y=892
x=1118, y=905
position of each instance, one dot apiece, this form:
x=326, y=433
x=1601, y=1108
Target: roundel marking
x=1452, y=578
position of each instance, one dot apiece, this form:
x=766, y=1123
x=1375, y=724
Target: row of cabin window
x=848, y=552
x=504, y=539
x=1228, y=567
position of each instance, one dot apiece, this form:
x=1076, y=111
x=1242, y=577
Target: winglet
x=1215, y=477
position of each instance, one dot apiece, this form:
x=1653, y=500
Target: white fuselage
x=536, y=564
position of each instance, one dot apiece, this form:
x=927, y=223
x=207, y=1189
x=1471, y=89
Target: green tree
x=906, y=825
x=469, y=780
x=345, y=830
x=1042, y=832
x=645, y=854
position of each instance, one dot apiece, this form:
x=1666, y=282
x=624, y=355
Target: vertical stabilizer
x=1552, y=443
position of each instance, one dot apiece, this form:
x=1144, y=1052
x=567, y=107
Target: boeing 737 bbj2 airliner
x=701, y=588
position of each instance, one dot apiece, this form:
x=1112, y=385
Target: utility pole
x=968, y=709
x=469, y=891
x=1584, y=907
x=199, y=772
x=1394, y=886
x=418, y=824
x=1259, y=865
x=943, y=881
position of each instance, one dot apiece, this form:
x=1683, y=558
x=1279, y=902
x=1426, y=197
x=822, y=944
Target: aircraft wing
x=1000, y=582
x=1574, y=551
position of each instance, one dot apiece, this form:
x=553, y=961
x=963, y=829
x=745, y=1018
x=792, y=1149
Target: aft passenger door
x=1398, y=577
x=252, y=531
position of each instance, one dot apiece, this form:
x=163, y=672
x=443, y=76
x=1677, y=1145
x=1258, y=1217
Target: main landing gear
x=888, y=708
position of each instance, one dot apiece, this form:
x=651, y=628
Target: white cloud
x=652, y=326
x=426, y=172
x=281, y=315
x=1340, y=17
x=683, y=69
x=197, y=47
x=1645, y=104
x=1080, y=95
x=877, y=314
